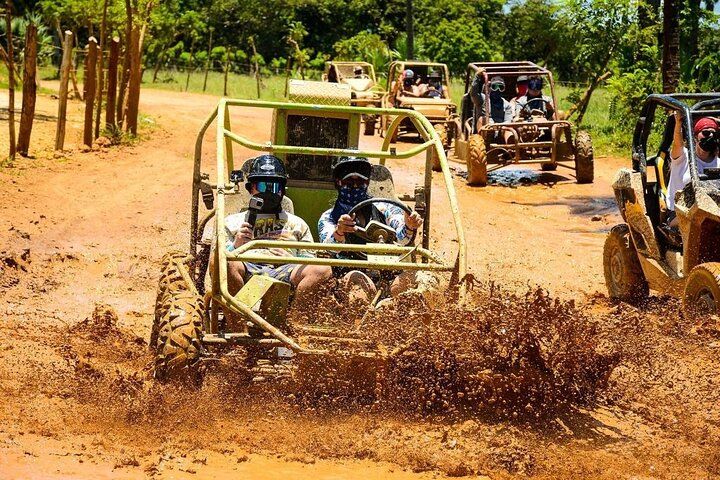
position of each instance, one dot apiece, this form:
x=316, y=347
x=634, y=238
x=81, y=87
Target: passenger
x=500, y=109
x=409, y=86
x=352, y=179
x=706, y=132
x=332, y=75
x=535, y=100
x=521, y=86
x=359, y=72
x=266, y=180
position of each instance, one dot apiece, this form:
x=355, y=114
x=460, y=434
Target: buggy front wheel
x=702, y=291
x=623, y=274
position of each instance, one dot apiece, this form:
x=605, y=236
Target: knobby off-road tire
x=369, y=124
x=548, y=167
x=702, y=291
x=623, y=275
x=477, y=161
x=177, y=328
x=442, y=132
x=584, y=162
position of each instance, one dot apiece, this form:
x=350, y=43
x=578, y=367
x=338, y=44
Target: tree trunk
x=65, y=68
x=207, y=61
x=89, y=84
x=671, y=45
x=190, y=63
x=112, y=83
x=11, y=78
x=257, y=66
x=588, y=94
x=158, y=64
x=135, y=78
x=410, y=30
x=73, y=70
x=125, y=74
x=101, y=70
x=29, y=90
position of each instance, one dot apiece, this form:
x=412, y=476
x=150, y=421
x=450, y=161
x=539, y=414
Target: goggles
x=269, y=187
x=709, y=132
x=354, y=182
x=535, y=84
x=497, y=87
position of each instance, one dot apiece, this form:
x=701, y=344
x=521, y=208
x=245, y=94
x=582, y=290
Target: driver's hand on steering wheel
x=346, y=224
x=413, y=221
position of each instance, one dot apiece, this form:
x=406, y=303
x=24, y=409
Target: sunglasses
x=497, y=87
x=355, y=182
x=271, y=187
x=535, y=84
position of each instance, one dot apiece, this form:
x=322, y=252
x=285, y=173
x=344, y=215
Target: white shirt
x=680, y=174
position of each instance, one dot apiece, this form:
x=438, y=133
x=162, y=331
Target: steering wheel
x=377, y=232
x=536, y=111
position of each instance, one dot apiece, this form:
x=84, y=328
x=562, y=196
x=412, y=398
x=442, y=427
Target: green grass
x=238, y=86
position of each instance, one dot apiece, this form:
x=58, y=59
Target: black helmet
x=267, y=167
x=345, y=166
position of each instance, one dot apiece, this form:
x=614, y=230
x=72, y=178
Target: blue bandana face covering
x=348, y=197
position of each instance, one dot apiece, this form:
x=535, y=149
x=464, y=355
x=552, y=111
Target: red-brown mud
x=540, y=375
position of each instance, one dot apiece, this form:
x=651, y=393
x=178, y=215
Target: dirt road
x=82, y=237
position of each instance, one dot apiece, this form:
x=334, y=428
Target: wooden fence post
x=112, y=83
x=29, y=90
x=11, y=78
x=64, y=79
x=89, y=84
x=135, y=79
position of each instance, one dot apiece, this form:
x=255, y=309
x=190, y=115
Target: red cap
x=703, y=123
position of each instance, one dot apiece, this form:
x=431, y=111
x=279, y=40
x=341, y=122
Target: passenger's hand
x=413, y=221
x=346, y=224
x=243, y=235
x=280, y=252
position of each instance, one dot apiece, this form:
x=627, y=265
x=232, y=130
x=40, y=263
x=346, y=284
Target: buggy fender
x=629, y=196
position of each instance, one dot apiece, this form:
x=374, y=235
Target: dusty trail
x=89, y=229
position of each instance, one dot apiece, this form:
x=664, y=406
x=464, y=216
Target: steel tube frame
x=224, y=139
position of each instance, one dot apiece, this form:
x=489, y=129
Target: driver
x=535, y=100
x=707, y=139
x=434, y=88
x=266, y=180
x=359, y=72
x=352, y=178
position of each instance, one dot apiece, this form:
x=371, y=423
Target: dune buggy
x=365, y=91
x=192, y=315
x=531, y=138
x=642, y=254
x=432, y=101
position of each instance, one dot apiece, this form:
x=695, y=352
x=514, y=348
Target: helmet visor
x=535, y=84
x=269, y=187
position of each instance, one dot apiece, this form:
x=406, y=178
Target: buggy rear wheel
x=702, y=291
x=177, y=328
x=442, y=132
x=477, y=161
x=623, y=275
x=584, y=163
x=548, y=167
